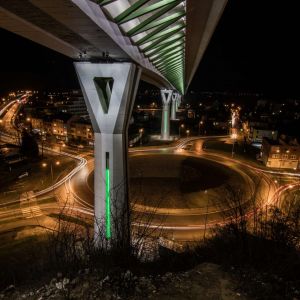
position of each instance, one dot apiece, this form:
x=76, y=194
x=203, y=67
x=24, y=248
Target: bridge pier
x=178, y=102
x=174, y=104
x=165, y=119
x=109, y=91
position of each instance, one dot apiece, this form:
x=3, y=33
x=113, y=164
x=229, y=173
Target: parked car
x=23, y=175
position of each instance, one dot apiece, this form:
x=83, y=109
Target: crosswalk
x=28, y=205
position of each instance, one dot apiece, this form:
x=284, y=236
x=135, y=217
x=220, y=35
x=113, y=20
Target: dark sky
x=255, y=48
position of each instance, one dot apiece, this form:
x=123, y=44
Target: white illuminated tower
x=165, y=119
x=178, y=102
x=109, y=91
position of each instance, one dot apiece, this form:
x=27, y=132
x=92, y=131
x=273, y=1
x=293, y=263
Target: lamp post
x=44, y=165
x=141, y=131
x=187, y=133
x=43, y=140
x=181, y=126
x=234, y=136
x=60, y=146
x=200, y=124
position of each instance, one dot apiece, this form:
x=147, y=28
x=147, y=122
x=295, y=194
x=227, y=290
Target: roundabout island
x=184, y=193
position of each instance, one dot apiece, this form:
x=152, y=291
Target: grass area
x=71, y=219
x=248, y=255
x=20, y=258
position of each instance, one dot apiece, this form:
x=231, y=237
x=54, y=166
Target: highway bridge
x=114, y=44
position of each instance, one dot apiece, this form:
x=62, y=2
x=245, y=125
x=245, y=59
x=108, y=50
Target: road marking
x=28, y=205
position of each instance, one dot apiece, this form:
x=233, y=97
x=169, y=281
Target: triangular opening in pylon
x=104, y=86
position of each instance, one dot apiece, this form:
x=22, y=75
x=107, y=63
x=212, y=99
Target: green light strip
x=107, y=204
x=164, y=44
x=136, y=10
x=154, y=21
x=105, y=2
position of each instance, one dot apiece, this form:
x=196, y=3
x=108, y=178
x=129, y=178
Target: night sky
x=255, y=48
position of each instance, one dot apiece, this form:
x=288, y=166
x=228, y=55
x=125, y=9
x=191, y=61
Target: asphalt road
x=179, y=223
x=74, y=192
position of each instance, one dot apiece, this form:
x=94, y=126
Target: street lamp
x=44, y=165
x=141, y=131
x=187, y=132
x=43, y=140
x=200, y=124
x=181, y=126
x=234, y=136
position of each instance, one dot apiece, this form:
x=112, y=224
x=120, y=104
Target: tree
x=29, y=146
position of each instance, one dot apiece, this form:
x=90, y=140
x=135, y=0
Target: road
x=180, y=224
x=32, y=208
x=75, y=194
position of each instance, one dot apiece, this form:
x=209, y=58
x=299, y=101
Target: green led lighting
x=166, y=52
x=105, y=2
x=168, y=55
x=107, y=202
x=161, y=33
x=171, y=67
x=166, y=40
x=166, y=46
x=163, y=43
x=167, y=62
x=137, y=10
x=156, y=22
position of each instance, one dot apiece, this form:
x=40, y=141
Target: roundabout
x=184, y=193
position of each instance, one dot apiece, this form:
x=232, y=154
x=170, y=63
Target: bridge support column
x=109, y=91
x=165, y=119
x=174, y=104
x=178, y=102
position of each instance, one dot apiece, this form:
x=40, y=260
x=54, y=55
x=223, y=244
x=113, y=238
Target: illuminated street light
x=233, y=136
x=181, y=126
x=187, y=133
x=141, y=131
x=44, y=165
x=199, y=127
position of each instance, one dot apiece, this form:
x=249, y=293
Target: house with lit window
x=81, y=131
x=283, y=153
x=256, y=134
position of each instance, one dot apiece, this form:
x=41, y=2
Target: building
x=81, y=131
x=256, y=134
x=72, y=103
x=59, y=129
x=283, y=153
x=37, y=123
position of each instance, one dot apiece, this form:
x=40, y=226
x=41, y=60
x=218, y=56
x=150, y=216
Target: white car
x=23, y=175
